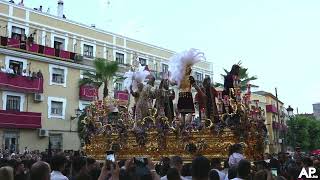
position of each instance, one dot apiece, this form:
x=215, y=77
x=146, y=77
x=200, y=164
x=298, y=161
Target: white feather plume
x=133, y=78
x=179, y=62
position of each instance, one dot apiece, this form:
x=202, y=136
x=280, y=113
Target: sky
x=278, y=40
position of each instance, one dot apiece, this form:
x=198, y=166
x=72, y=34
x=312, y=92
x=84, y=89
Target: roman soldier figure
x=180, y=68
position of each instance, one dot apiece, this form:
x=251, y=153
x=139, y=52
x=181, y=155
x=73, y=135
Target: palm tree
x=244, y=78
x=105, y=70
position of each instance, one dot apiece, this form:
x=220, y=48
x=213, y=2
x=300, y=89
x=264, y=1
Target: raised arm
x=194, y=84
x=134, y=94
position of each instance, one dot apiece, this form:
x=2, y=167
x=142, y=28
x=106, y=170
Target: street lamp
x=290, y=114
x=290, y=111
x=78, y=112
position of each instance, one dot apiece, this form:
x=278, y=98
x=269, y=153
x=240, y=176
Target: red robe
x=201, y=98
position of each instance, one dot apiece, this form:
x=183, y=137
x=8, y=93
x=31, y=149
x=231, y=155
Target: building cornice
x=85, y=26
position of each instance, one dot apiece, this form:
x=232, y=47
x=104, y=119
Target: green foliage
x=105, y=70
x=304, y=131
x=244, y=78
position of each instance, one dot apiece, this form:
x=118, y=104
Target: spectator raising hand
x=109, y=171
x=151, y=166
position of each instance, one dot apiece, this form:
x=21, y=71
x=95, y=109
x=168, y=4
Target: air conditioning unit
x=78, y=57
x=43, y=133
x=38, y=97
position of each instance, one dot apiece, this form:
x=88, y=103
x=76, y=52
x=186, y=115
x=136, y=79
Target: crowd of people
x=15, y=70
x=76, y=166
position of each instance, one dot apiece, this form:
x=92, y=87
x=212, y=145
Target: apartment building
x=42, y=58
x=316, y=110
x=275, y=120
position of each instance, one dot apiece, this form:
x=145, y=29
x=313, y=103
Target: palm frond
x=85, y=81
x=89, y=75
x=252, y=78
x=218, y=85
x=111, y=68
x=99, y=65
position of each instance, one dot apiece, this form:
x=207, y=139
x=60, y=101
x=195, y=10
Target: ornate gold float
x=155, y=137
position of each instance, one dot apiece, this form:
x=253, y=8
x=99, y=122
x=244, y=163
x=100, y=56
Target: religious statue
x=145, y=101
x=134, y=84
x=164, y=99
x=230, y=80
x=136, y=95
x=206, y=99
x=180, y=69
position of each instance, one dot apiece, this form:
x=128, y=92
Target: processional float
x=240, y=120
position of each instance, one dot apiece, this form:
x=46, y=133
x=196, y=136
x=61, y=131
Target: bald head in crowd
x=40, y=171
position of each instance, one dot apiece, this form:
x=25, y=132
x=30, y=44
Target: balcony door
x=17, y=33
x=11, y=141
x=16, y=66
x=59, y=43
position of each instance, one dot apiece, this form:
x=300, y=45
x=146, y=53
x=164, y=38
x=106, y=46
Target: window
x=58, y=75
x=120, y=58
x=17, y=33
x=165, y=68
x=199, y=76
x=83, y=104
x=119, y=86
x=13, y=103
x=56, y=107
x=83, y=71
x=143, y=61
x=88, y=51
x=16, y=64
x=11, y=142
x=55, y=141
x=155, y=66
x=59, y=43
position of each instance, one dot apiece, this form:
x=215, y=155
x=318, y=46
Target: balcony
x=38, y=49
x=279, y=126
x=122, y=96
x=271, y=108
x=21, y=120
x=275, y=125
x=22, y=84
x=88, y=92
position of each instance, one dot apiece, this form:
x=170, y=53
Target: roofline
x=264, y=93
x=86, y=26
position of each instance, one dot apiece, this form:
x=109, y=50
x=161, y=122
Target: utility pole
x=281, y=122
